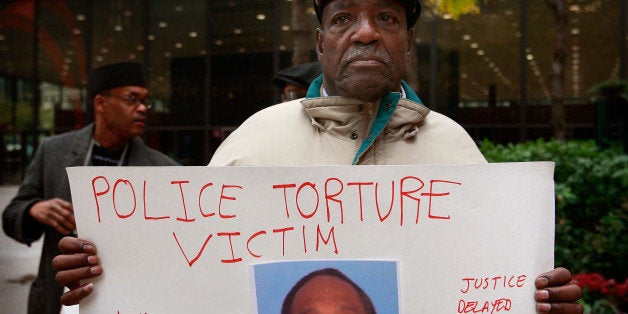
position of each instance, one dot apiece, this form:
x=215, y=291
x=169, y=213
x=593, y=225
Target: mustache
x=366, y=52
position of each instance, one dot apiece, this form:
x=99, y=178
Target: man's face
x=122, y=111
x=327, y=295
x=363, y=46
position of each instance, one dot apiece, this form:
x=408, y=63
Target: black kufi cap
x=116, y=75
x=413, y=10
x=300, y=75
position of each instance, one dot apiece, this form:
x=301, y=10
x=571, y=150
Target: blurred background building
x=514, y=71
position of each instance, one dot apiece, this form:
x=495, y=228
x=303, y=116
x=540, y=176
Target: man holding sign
x=358, y=112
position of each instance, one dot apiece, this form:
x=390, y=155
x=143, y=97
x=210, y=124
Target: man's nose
x=366, y=31
x=142, y=108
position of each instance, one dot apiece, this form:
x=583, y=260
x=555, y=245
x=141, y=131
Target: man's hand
x=56, y=213
x=556, y=293
x=77, y=261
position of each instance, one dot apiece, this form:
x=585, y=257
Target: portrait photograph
x=369, y=285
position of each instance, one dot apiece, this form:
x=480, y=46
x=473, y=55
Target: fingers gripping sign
x=77, y=262
x=556, y=294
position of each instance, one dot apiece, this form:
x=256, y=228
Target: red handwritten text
x=492, y=283
x=239, y=245
x=408, y=198
x=124, y=189
x=499, y=305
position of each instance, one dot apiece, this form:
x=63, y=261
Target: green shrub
x=591, y=187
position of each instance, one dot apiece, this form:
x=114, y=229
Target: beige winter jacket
x=331, y=131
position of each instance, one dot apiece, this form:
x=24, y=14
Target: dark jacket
x=47, y=178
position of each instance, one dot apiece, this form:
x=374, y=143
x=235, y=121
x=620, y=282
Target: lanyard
x=88, y=156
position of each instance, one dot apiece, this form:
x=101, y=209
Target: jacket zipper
x=366, y=128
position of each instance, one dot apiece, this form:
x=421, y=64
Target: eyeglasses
x=133, y=101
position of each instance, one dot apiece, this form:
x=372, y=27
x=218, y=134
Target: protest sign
x=463, y=238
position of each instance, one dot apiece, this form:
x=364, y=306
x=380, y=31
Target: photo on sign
x=365, y=283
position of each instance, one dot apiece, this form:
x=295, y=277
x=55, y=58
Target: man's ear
x=99, y=103
x=410, y=40
x=319, y=41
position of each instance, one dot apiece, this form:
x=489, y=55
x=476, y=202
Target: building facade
x=210, y=66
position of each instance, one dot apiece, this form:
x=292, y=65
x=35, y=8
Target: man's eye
x=342, y=19
x=388, y=18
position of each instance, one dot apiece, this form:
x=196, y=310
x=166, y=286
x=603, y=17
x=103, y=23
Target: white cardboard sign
x=462, y=238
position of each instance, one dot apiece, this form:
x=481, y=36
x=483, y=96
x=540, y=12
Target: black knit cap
x=413, y=10
x=300, y=75
x=116, y=75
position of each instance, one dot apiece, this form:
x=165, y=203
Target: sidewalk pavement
x=18, y=264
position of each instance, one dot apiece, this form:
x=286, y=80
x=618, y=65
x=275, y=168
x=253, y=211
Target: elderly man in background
x=295, y=80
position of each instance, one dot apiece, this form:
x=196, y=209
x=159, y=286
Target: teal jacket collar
x=387, y=106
